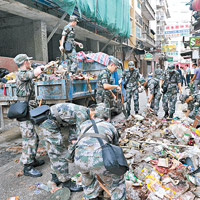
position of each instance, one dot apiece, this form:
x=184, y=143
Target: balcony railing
x=147, y=10
x=148, y=40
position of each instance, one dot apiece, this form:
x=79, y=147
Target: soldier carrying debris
x=68, y=44
x=30, y=141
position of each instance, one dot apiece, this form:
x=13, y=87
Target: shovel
x=123, y=108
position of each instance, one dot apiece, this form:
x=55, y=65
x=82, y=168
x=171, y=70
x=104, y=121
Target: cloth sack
x=39, y=114
x=19, y=110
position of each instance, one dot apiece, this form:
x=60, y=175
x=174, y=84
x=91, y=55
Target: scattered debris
x=19, y=173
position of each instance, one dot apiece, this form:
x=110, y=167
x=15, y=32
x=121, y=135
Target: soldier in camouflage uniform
x=63, y=115
x=158, y=72
x=103, y=95
x=153, y=85
x=173, y=80
x=193, y=103
x=68, y=35
x=24, y=83
x=89, y=160
x=131, y=85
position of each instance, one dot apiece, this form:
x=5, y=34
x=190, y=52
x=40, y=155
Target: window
x=138, y=32
x=138, y=4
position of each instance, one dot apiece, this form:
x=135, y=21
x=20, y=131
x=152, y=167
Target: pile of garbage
x=163, y=156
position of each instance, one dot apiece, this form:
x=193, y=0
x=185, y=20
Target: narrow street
x=23, y=186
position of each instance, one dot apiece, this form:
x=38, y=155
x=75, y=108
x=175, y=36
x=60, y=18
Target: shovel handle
x=121, y=94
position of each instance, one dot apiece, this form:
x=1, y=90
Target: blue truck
x=61, y=91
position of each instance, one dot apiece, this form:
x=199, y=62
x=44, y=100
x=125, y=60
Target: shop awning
x=187, y=53
x=139, y=51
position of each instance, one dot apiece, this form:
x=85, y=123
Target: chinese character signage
x=169, y=47
x=194, y=41
x=170, y=59
x=177, y=30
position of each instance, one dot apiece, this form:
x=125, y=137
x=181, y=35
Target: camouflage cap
x=101, y=111
x=183, y=97
x=115, y=61
x=142, y=80
x=19, y=59
x=73, y=18
x=171, y=67
x=131, y=64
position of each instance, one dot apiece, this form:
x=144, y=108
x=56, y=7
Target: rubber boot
x=171, y=115
x=72, y=186
x=166, y=114
x=55, y=179
x=29, y=170
x=37, y=163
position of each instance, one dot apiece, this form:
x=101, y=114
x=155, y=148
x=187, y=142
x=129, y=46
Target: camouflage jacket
x=196, y=100
x=90, y=144
x=133, y=78
x=103, y=77
x=172, y=79
x=158, y=73
x=68, y=31
x=153, y=86
x=24, y=82
x=72, y=114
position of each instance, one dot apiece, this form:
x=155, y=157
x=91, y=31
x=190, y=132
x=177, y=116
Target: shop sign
x=194, y=41
x=170, y=59
x=148, y=56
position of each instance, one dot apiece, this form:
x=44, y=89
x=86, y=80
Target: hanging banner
x=170, y=59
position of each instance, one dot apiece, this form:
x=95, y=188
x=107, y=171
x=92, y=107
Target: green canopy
x=113, y=14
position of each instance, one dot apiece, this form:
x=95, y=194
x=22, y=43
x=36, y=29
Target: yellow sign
x=169, y=47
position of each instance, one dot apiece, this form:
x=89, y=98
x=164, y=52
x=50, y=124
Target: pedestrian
x=88, y=159
x=153, y=85
x=68, y=43
x=131, y=85
x=64, y=115
x=24, y=89
x=169, y=84
x=183, y=77
x=192, y=72
x=178, y=70
x=103, y=93
x=188, y=71
x=193, y=103
x=196, y=78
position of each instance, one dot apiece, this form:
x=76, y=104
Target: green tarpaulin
x=113, y=14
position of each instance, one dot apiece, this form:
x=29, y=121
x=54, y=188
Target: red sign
x=196, y=5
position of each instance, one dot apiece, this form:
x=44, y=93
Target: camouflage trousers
x=102, y=98
x=30, y=142
x=129, y=94
x=155, y=102
x=169, y=102
x=55, y=144
x=89, y=166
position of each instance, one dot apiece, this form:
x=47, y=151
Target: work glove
x=61, y=48
x=118, y=89
x=80, y=45
x=120, y=81
x=148, y=105
x=161, y=90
